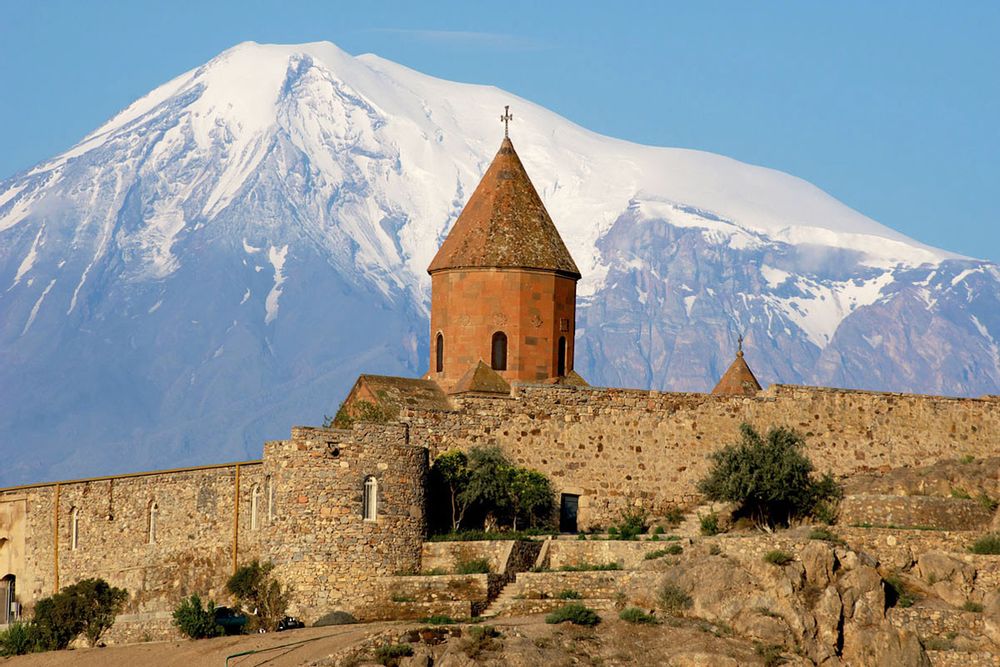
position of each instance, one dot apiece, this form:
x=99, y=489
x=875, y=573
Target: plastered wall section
x=193, y=547
x=619, y=448
x=533, y=308
x=321, y=544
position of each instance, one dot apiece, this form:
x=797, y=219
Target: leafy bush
x=672, y=550
x=256, y=589
x=658, y=531
x=709, y=524
x=778, y=557
x=18, y=639
x=972, y=606
x=195, y=621
x=960, y=493
x=631, y=523
x=825, y=535
x=637, y=616
x=390, y=655
x=335, y=618
x=473, y=566
x=988, y=503
x=767, y=477
x=673, y=599
x=440, y=619
x=574, y=613
x=987, y=544
x=569, y=594
x=896, y=593
x=88, y=607
x=673, y=516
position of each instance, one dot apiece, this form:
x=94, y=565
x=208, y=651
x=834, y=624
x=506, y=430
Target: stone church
x=339, y=511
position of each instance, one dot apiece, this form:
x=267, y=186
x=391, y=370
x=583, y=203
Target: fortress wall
x=192, y=552
x=320, y=542
x=621, y=447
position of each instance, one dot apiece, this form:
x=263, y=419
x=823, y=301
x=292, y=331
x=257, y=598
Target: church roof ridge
x=505, y=225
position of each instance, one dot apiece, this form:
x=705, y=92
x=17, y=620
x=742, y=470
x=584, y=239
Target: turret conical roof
x=738, y=380
x=505, y=225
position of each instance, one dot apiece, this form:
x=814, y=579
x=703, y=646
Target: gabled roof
x=738, y=380
x=481, y=379
x=505, y=225
x=395, y=393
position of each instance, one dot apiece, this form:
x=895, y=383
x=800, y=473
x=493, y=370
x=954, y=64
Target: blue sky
x=891, y=107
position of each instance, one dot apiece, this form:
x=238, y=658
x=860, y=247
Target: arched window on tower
x=561, y=364
x=270, y=499
x=369, y=503
x=439, y=354
x=154, y=511
x=255, y=507
x=499, y=355
x=74, y=528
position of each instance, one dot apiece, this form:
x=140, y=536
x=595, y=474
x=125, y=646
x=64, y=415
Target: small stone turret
x=738, y=380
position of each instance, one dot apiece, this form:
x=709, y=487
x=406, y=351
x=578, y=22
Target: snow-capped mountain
x=223, y=257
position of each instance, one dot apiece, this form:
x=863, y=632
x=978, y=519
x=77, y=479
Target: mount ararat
x=221, y=260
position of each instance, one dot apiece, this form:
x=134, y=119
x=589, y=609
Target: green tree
x=451, y=472
x=531, y=496
x=769, y=477
x=490, y=473
x=260, y=593
x=195, y=621
x=88, y=606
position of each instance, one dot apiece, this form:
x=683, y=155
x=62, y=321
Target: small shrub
x=988, y=503
x=398, y=597
x=778, y=557
x=673, y=599
x=825, y=511
x=674, y=516
x=631, y=523
x=575, y=613
x=335, y=618
x=825, y=535
x=967, y=459
x=195, y=621
x=896, y=593
x=481, y=639
x=652, y=555
x=434, y=572
x=987, y=544
x=637, y=616
x=658, y=530
x=569, y=594
x=770, y=653
x=390, y=655
x=972, y=606
x=960, y=493
x=764, y=611
x=582, y=537
x=257, y=589
x=709, y=524
x=473, y=566
x=18, y=639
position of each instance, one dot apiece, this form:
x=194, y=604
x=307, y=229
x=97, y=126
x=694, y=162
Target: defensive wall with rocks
x=620, y=447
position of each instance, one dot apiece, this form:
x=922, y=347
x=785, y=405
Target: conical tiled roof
x=505, y=225
x=739, y=380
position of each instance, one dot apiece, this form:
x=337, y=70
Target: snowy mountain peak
x=225, y=254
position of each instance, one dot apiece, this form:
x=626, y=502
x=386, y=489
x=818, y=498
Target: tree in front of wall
x=260, y=594
x=87, y=607
x=531, y=497
x=450, y=473
x=768, y=478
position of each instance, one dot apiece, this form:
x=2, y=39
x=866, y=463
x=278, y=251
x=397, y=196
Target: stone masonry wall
x=192, y=551
x=320, y=543
x=618, y=448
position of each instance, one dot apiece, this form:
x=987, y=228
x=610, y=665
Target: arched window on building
x=561, y=363
x=74, y=528
x=439, y=354
x=498, y=359
x=154, y=511
x=270, y=499
x=255, y=507
x=369, y=504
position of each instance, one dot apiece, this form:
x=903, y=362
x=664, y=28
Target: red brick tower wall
x=533, y=308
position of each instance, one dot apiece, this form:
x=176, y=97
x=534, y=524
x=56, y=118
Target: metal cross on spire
x=739, y=351
x=505, y=119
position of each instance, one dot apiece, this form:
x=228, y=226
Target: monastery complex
x=341, y=511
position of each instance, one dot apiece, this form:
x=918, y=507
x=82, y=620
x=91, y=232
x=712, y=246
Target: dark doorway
x=499, y=357
x=567, y=512
x=7, y=613
x=561, y=366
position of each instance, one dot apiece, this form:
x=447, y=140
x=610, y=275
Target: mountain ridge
x=224, y=256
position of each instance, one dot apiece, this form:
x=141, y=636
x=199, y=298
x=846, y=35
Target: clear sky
x=892, y=107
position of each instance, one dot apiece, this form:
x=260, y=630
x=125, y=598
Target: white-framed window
x=369, y=505
x=255, y=507
x=154, y=511
x=74, y=528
